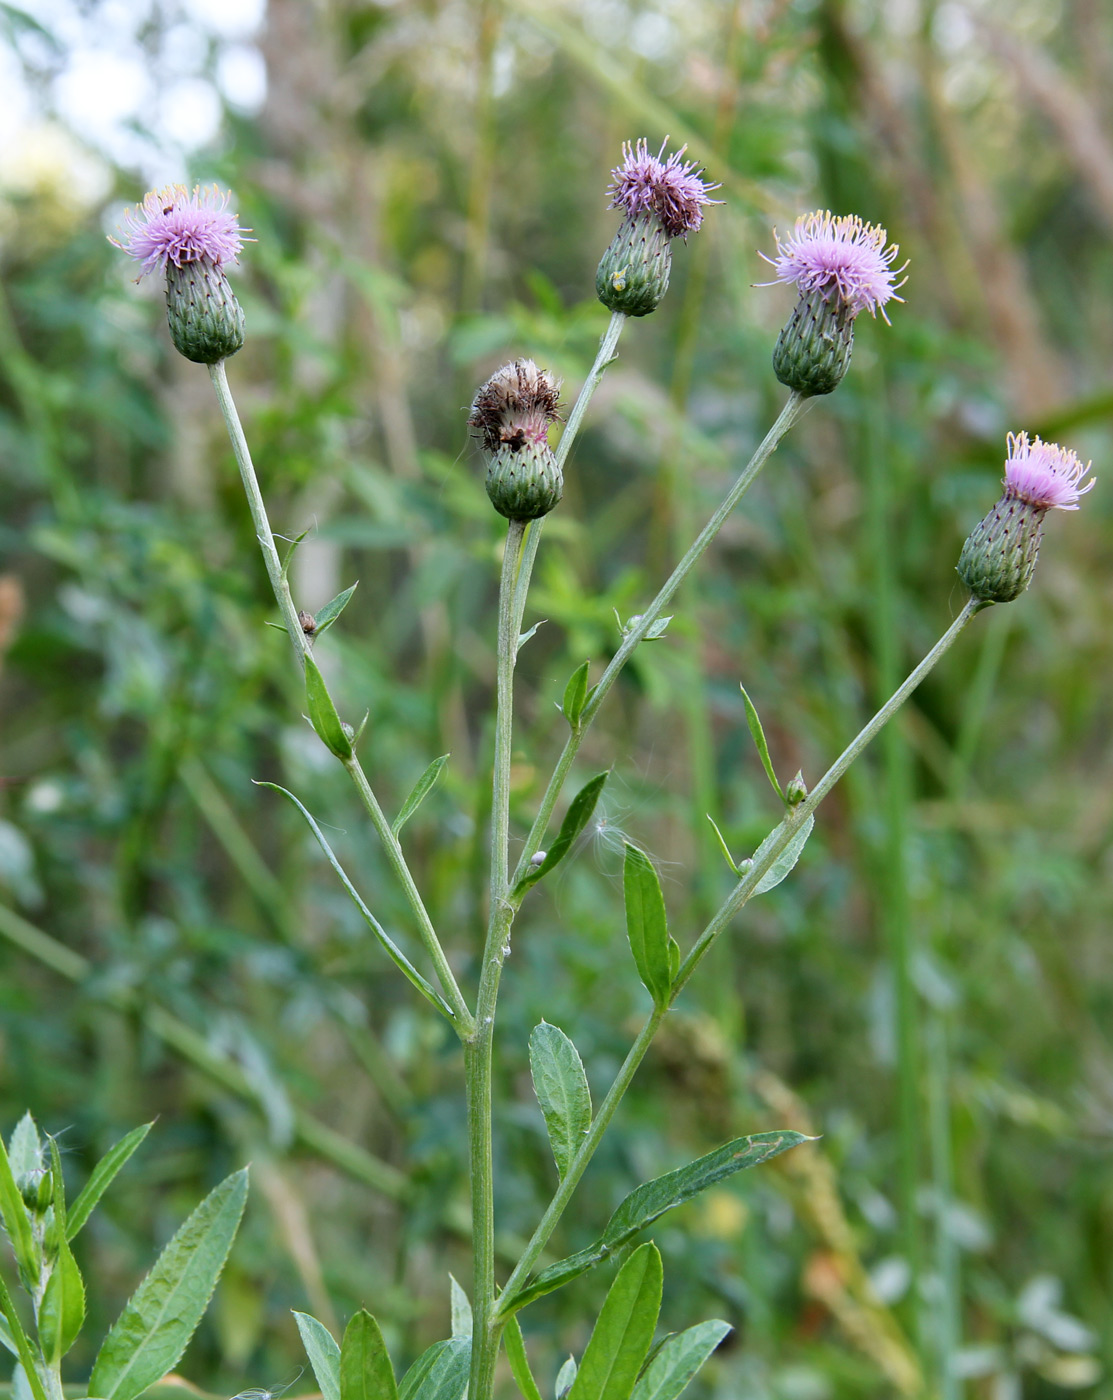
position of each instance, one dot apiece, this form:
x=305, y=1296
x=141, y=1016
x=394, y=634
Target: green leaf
x=393, y=951
x=324, y=1355
x=6, y=1338
x=758, y=735
x=565, y=1377
x=365, y=1369
x=678, y=1361
x=647, y=925
x=156, y=1324
x=575, y=819
x=101, y=1178
x=440, y=1373
x=322, y=712
x=290, y=555
x=622, y=1336
x=419, y=792
x=519, y=1361
x=16, y=1220
x=649, y=1201
x=782, y=866
x=723, y=845
x=62, y=1310
x=461, y=1309
x=562, y=1091
x=332, y=610
x=575, y=694
x=25, y=1152
x=22, y=1345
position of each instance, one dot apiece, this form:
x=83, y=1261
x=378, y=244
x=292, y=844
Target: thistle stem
x=478, y=1050
x=742, y=892
x=462, y=1018
x=608, y=344
x=792, y=410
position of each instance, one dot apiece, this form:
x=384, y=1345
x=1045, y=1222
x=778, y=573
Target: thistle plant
x=841, y=267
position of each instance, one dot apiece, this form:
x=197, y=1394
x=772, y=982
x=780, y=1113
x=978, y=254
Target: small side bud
x=206, y=321
x=813, y=350
x=796, y=790
x=999, y=557
x=538, y=859
x=308, y=624
x=512, y=414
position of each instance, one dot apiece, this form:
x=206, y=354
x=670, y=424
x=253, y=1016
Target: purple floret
x=671, y=190
x=1043, y=474
x=828, y=253
x=179, y=226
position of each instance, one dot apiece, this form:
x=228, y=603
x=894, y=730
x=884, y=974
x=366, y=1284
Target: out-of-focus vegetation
x=932, y=988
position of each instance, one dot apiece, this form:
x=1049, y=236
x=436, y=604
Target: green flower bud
x=206, y=320
x=633, y=273
x=999, y=558
x=813, y=350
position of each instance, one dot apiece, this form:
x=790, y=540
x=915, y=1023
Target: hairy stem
x=477, y=1053
x=635, y=635
x=742, y=892
x=300, y=643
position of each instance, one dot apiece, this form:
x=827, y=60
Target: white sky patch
x=232, y=19
x=241, y=75
x=190, y=112
x=100, y=90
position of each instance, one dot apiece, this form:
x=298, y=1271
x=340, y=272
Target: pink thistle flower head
x=179, y=226
x=1043, y=474
x=671, y=190
x=840, y=256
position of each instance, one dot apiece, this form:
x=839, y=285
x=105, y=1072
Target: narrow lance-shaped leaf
x=439, y=1373
x=575, y=694
x=25, y=1151
x=322, y=712
x=565, y=1377
x=22, y=1343
x=579, y=813
x=519, y=1361
x=678, y=1361
x=562, y=1091
x=622, y=1335
x=155, y=1326
x=460, y=1309
x=760, y=743
x=365, y=1369
x=647, y=925
x=326, y=616
x=393, y=951
x=784, y=863
x=324, y=1355
x=16, y=1220
x=419, y=793
x=62, y=1310
x=723, y=845
x=101, y=1178
x=650, y=1201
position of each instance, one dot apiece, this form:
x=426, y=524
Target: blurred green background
x=932, y=988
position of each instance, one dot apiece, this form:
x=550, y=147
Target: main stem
x=462, y=1019
x=478, y=1051
x=741, y=894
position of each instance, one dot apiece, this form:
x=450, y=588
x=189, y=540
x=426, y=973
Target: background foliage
x=931, y=989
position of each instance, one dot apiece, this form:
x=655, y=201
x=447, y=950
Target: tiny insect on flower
x=177, y=225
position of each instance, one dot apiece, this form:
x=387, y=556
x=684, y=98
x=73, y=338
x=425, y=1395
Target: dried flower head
x=512, y=414
x=1043, y=474
x=839, y=256
x=517, y=403
x=999, y=558
x=179, y=226
x=672, y=189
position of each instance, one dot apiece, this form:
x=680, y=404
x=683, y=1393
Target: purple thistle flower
x=1043, y=474
x=173, y=225
x=672, y=189
x=828, y=253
